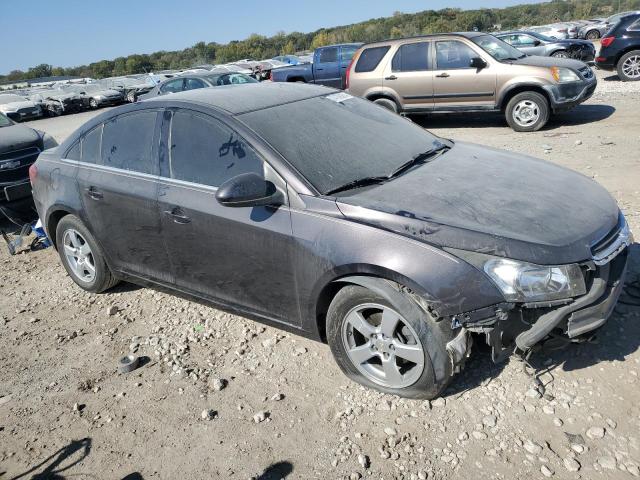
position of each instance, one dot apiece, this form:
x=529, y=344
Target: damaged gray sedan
x=324, y=214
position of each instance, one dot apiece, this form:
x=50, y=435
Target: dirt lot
x=65, y=412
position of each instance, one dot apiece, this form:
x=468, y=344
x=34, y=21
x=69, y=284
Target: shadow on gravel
x=276, y=471
x=65, y=458
x=580, y=115
x=612, y=78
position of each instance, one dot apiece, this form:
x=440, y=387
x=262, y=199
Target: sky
x=67, y=33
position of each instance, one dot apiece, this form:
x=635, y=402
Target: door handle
x=177, y=215
x=392, y=77
x=443, y=75
x=319, y=69
x=94, y=193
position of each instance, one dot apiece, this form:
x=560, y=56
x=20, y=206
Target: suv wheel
x=592, y=35
x=629, y=66
x=380, y=346
x=387, y=103
x=527, y=112
x=82, y=257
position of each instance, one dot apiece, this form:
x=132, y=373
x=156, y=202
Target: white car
x=19, y=108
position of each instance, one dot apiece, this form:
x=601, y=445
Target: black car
x=193, y=82
x=533, y=43
x=19, y=148
x=620, y=49
x=309, y=209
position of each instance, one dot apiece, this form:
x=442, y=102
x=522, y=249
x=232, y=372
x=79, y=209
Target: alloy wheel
x=383, y=346
x=526, y=113
x=631, y=67
x=79, y=256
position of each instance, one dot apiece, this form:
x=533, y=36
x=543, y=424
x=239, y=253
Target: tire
x=387, y=103
x=517, y=117
x=71, y=230
x=592, y=35
x=629, y=66
x=131, y=97
x=93, y=103
x=560, y=54
x=426, y=380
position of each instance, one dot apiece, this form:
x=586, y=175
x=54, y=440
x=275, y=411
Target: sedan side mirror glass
x=249, y=190
x=478, y=63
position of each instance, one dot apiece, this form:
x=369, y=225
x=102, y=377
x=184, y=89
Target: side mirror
x=536, y=43
x=249, y=190
x=477, y=63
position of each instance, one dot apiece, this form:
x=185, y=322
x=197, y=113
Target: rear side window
x=127, y=142
x=370, y=58
x=74, y=152
x=173, y=86
x=328, y=55
x=91, y=146
x=193, y=83
x=205, y=151
x=411, y=57
x=346, y=52
x=635, y=26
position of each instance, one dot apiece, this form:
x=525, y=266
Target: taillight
x=606, y=41
x=33, y=173
x=346, y=80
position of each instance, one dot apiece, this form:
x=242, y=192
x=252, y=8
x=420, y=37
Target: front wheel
x=527, y=112
x=560, y=54
x=389, y=348
x=82, y=257
x=629, y=66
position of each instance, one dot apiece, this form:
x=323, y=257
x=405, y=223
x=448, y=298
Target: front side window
x=329, y=55
x=90, y=146
x=127, y=142
x=370, y=59
x=173, y=86
x=453, y=54
x=74, y=152
x=193, y=83
x=411, y=57
x=205, y=151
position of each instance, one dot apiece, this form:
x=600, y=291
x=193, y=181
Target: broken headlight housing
x=527, y=282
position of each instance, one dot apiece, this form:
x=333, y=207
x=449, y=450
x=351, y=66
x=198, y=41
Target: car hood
x=17, y=137
x=490, y=201
x=18, y=105
x=537, y=61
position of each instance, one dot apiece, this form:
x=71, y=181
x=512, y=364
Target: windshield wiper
x=420, y=158
x=423, y=157
x=361, y=182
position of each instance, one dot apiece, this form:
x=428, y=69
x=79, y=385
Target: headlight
x=526, y=282
x=564, y=75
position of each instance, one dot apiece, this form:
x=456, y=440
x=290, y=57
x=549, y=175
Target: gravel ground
x=219, y=396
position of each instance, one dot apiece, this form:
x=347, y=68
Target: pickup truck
x=329, y=67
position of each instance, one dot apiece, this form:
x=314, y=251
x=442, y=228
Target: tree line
x=397, y=26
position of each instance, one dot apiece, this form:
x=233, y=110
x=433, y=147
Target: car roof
x=468, y=35
x=246, y=98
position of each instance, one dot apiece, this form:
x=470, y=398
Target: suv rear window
x=370, y=58
x=411, y=57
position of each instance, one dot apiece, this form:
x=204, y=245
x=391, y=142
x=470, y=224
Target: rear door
x=117, y=179
x=456, y=85
x=234, y=256
x=410, y=76
x=326, y=67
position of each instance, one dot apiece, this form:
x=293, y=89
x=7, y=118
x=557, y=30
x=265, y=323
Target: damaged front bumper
x=518, y=327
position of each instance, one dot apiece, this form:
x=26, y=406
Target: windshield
x=542, y=37
x=4, y=120
x=497, y=48
x=337, y=139
x=4, y=99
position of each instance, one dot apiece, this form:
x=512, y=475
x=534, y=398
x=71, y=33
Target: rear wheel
x=387, y=103
x=527, y=112
x=82, y=257
x=386, y=348
x=629, y=66
x=592, y=35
